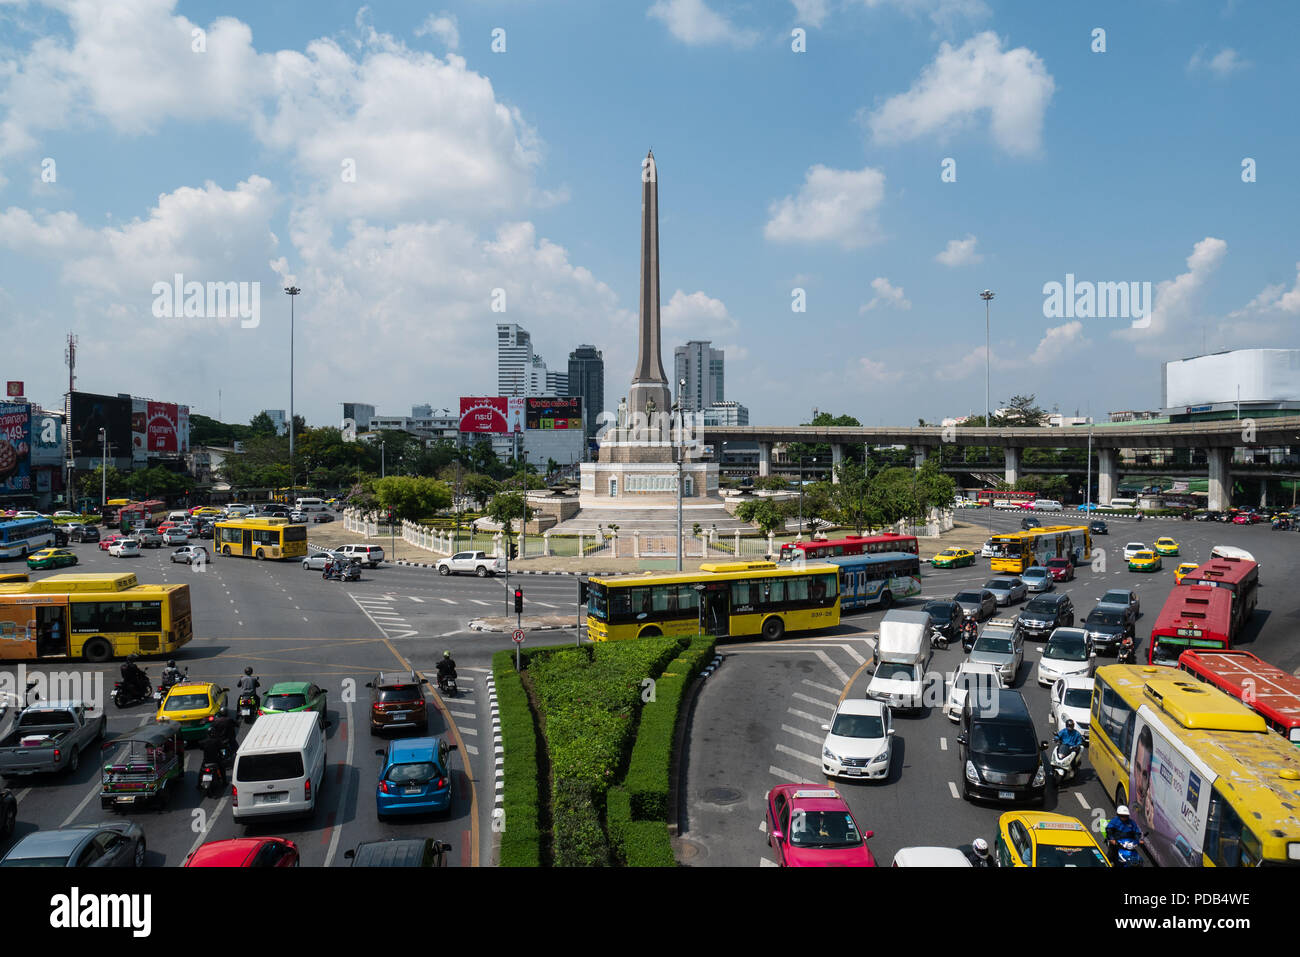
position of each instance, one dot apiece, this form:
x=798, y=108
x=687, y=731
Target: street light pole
x=677, y=407
x=381, y=460
x=293, y=292
x=103, y=473
x=987, y=296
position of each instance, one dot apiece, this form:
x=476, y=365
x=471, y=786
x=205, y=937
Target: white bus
x=22, y=536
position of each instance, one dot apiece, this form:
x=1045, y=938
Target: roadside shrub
x=521, y=840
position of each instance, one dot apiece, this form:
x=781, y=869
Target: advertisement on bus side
x=1169, y=794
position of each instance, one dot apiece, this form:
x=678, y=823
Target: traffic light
x=390, y=516
x=519, y=601
x=514, y=550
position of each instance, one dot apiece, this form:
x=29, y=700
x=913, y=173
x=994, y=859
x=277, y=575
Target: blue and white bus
x=878, y=579
x=22, y=536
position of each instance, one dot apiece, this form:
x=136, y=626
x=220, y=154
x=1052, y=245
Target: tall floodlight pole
x=293, y=293
x=987, y=296
x=677, y=407
x=1087, y=487
x=103, y=474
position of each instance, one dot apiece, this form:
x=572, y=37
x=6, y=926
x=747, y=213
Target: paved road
x=758, y=719
x=287, y=623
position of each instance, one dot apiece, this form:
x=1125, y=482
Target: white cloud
x=700, y=316
x=946, y=14
x=1012, y=86
x=696, y=24
x=443, y=26
x=831, y=206
x=1176, y=300
x=882, y=372
x=1058, y=342
x=960, y=252
x=810, y=13
x=1224, y=63
x=886, y=294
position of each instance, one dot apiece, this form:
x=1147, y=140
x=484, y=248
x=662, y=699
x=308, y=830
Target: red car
x=1062, y=569
x=106, y=541
x=1244, y=518
x=809, y=825
x=246, y=852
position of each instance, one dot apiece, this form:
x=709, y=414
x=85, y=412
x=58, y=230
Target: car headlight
x=972, y=775
x=1040, y=776
x=830, y=755
x=881, y=758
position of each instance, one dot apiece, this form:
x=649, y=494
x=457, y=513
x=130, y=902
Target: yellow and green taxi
x=1044, y=839
x=1167, y=546
x=1186, y=568
x=1145, y=561
x=953, y=558
x=286, y=696
x=51, y=558
x=190, y=705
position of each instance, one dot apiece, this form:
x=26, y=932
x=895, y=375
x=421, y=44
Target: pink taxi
x=809, y=825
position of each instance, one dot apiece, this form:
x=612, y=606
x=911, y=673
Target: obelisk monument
x=649, y=392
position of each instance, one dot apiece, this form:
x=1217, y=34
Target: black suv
x=1044, y=613
x=999, y=753
x=946, y=615
x=1098, y=527
x=84, y=533
x=397, y=702
x=1107, y=625
x=1030, y=522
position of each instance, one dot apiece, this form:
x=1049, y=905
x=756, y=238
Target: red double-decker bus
x=1238, y=577
x=1270, y=691
x=990, y=496
x=1195, y=616
x=853, y=545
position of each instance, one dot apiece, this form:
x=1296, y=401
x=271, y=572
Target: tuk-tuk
x=140, y=769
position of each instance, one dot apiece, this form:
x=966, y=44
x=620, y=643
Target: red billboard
x=15, y=389
x=160, y=427
x=483, y=414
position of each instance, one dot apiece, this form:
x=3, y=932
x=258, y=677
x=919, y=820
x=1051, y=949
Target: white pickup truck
x=50, y=736
x=471, y=563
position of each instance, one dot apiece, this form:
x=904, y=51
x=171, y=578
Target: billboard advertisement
x=47, y=439
x=516, y=412
x=139, y=439
x=483, y=414
x=1248, y=375
x=14, y=388
x=1170, y=793
x=183, y=428
x=161, y=427
x=90, y=413
x=15, y=448
x=555, y=413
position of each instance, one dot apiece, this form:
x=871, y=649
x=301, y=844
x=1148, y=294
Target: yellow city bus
x=260, y=538
x=1205, y=779
x=93, y=617
x=7, y=578
x=722, y=598
x=1017, y=551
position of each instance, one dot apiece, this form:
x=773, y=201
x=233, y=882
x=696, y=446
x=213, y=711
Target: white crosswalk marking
x=807, y=717
x=835, y=669
x=943, y=744
x=479, y=602
x=799, y=755
x=821, y=704
x=814, y=738
x=469, y=748
x=463, y=714
x=953, y=789
x=447, y=600
x=821, y=687
x=413, y=598
x=764, y=862
x=784, y=775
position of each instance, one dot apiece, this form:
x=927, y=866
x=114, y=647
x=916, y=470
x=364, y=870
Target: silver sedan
x=1007, y=591
x=978, y=604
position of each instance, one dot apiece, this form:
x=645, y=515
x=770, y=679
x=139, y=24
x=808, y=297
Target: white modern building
x=703, y=369
x=728, y=413
x=514, y=359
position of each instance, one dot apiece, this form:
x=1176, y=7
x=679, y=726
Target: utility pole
x=677, y=407
x=103, y=473
x=293, y=292
x=987, y=296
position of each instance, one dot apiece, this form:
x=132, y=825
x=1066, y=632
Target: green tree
x=772, y=483
x=817, y=504
x=851, y=498
x=822, y=451
x=1022, y=413
x=763, y=512
x=505, y=507
x=411, y=498
x=261, y=424
x=89, y=484
x=480, y=489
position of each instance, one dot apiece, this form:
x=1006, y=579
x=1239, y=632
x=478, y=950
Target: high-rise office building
x=514, y=359
x=557, y=383
x=587, y=379
x=702, y=368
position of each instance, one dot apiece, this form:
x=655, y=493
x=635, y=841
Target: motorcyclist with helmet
x=1070, y=737
x=248, y=685
x=970, y=631
x=171, y=674
x=134, y=680
x=980, y=855
x=446, y=669
x=220, y=742
x=1121, y=827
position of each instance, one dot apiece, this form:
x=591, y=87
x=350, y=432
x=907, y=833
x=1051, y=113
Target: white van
x=279, y=766
x=901, y=658
x=1123, y=502
x=309, y=505
x=181, y=516
x=1048, y=504
x=1231, y=551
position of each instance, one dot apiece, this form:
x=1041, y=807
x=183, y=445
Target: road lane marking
x=807, y=736
x=1086, y=805
x=953, y=788
x=835, y=669
x=338, y=828
x=447, y=600
x=943, y=744
x=821, y=687
x=470, y=749
x=807, y=717
x=211, y=820
x=478, y=601
x=413, y=598
x=473, y=731
x=798, y=696
x=783, y=775
x=463, y=714
x=764, y=862
x=798, y=755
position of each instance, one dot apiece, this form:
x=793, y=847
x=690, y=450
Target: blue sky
x=779, y=170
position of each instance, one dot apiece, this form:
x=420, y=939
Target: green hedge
x=521, y=839
x=647, y=780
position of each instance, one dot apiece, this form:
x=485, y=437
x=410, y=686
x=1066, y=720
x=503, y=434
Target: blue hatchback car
x=414, y=777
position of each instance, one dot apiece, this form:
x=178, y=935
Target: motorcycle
x=1064, y=762
x=968, y=638
x=125, y=697
x=168, y=682
x=1127, y=652
x=447, y=685
x=937, y=638
x=212, y=774
x=1127, y=853
x=247, y=708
